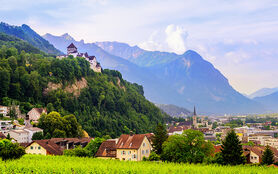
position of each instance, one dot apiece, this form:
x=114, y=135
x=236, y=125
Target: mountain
x=183, y=80
x=269, y=101
x=20, y=45
x=25, y=33
x=263, y=92
x=174, y=111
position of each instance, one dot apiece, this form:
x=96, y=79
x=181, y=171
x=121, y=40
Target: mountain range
x=263, y=92
x=183, y=80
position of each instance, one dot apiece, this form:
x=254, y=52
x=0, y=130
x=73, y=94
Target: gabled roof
x=107, y=149
x=2, y=136
x=38, y=110
x=48, y=145
x=74, y=140
x=71, y=46
x=130, y=141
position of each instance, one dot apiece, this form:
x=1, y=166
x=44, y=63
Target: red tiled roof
x=107, y=149
x=71, y=46
x=130, y=141
x=50, y=146
x=173, y=129
x=2, y=136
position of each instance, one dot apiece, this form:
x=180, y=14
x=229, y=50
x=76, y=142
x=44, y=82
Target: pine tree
x=231, y=152
x=268, y=157
x=160, y=136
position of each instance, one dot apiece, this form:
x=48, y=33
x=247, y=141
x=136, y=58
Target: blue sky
x=239, y=37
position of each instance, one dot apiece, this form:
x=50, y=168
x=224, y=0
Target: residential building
x=173, y=130
x=31, y=131
x=254, y=153
x=107, y=149
x=2, y=136
x=5, y=125
x=4, y=110
x=259, y=138
x=35, y=114
x=43, y=147
x=21, y=136
x=273, y=142
x=70, y=143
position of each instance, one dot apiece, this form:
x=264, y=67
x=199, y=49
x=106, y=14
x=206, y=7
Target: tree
x=38, y=136
x=160, y=136
x=231, y=150
x=268, y=157
x=190, y=147
x=77, y=151
x=94, y=145
x=59, y=133
x=9, y=150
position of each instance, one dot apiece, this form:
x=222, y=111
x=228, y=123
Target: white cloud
x=172, y=39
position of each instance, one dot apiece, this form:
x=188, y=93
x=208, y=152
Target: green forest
x=108, y=105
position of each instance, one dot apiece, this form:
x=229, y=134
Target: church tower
x=195, y=124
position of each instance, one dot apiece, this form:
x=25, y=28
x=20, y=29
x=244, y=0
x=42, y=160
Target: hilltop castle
x=72, y=51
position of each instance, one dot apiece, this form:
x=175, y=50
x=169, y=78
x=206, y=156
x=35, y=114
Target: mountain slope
x=20, y=45
x=263, y=92
x=174, y=111
x=24, y=32
x=269, y=101
x=183, y=80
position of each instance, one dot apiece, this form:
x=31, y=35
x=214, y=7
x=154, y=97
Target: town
x=254, y=133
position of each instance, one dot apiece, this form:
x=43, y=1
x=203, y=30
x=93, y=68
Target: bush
x=9, y=150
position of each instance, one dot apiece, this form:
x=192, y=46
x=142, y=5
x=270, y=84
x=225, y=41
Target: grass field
x=63, y=164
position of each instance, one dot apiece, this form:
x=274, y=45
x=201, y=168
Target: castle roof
x=71, y=46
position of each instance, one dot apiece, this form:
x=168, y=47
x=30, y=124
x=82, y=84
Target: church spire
x=194, y=111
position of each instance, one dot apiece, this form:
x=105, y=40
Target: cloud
x=172, y=39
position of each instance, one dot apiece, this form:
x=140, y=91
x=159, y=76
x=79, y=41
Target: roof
x=91, y=57
x=2, y=136
x=217, y=149
x=19, y=131
x=130, y=141
x=38, y=110
x=107, y=149
x=173, y=129
x=34, y=129
x=258, y=150
x=48, y=145
x=71, y=46
x=75, y=140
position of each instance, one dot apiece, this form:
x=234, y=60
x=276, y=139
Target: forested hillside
x=106, y=105
x=25, y=33
x=20, y=45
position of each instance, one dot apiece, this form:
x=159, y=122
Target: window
x=147, y=151
x=39, y=147
x=123, y=152
x=129, y=152
x=143, y=151
x=144, y=144
x=31, y=147
x=134, y=156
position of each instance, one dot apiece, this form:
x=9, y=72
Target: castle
x=72, y=50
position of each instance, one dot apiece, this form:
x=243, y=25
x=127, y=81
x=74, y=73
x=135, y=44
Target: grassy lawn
x=64, y=164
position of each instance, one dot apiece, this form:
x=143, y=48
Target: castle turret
x=72, y=49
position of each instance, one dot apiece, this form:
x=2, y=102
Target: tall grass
x=65, y=164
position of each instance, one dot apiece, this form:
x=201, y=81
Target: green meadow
x=64, y=164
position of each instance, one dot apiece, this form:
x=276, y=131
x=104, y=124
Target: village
x=135, y=147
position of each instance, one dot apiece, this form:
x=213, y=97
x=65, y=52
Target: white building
x=5, y=125
x=21, y=136
x=4, y=110
x=31, y=131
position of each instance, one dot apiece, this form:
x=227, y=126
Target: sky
x=239, y=37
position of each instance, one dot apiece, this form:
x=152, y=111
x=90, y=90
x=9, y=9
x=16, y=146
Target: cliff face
x=74, y=88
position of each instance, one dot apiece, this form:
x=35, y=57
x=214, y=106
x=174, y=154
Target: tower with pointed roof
x=195, y=124
x=71, y=49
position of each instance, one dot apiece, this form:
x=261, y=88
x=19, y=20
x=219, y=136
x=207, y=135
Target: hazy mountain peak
x=67, y=36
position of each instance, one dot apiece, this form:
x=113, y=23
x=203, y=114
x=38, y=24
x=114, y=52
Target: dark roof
x=107, y=149
x=74, y=140
x=91, y=57
x=71, y=46
x=50, y=146
x=194, y=113
x=130, y=141
x=2, y=136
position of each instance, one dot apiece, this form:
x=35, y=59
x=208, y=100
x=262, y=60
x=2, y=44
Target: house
x=31, y=131
x=72, y=50
x=133, y=147
x=70, y=143
x=107, y=149
x=21, y=136
x=173, y=130
x=4, y=110
x=2, y=136
x=43, y=147
x=273, y=142
x=259, y=138
x=35, y=114
x=254, y=153
x=5, y=125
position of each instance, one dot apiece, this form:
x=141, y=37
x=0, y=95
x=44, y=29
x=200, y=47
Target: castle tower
x=72, y=49
x=195, y=125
